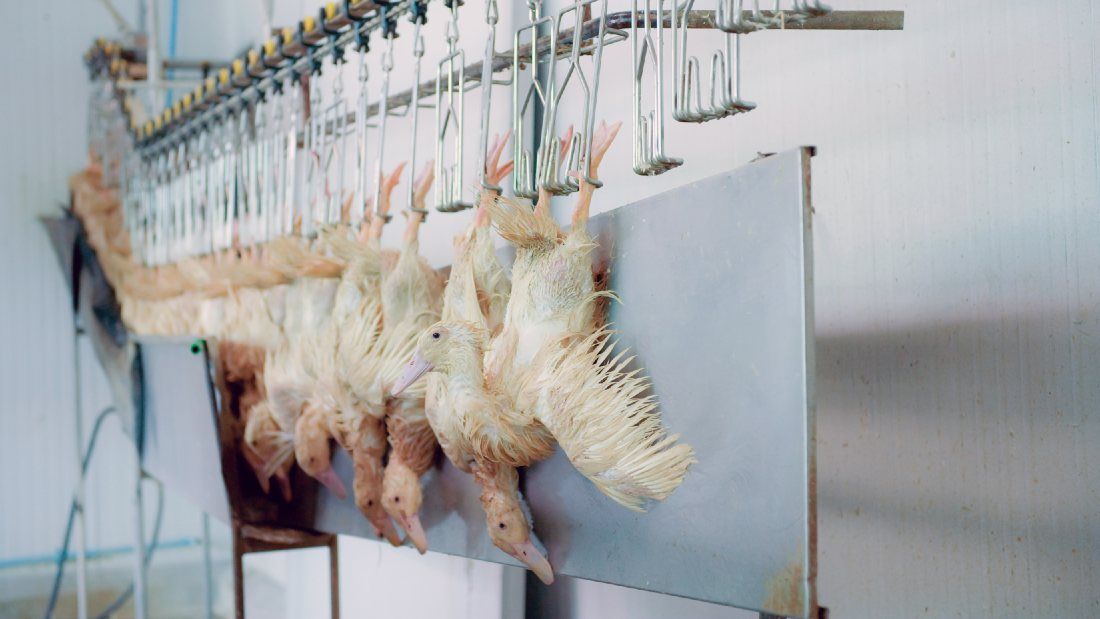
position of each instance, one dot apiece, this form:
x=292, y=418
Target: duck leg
x=368, y=447
x=505, y=516
x=601, y=141
x=495, y=172
x=377, y=220
x=422, y=185
x=542, y=206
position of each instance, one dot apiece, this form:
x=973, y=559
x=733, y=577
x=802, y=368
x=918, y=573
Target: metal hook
x=589, y=83
x=450, y=122
x=488, y=60
x=649, y=128
x=383, y=121
x=524, y=183
x=336, y=147
x=725, y=68
x=291, y=201
x=414, y=108
x=362, y=182
x=314, y=134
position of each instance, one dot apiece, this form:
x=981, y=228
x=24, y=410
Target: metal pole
x=81, y=539
x=208, y=567
x=152, y=55
x=140, y=606
x=265, y=19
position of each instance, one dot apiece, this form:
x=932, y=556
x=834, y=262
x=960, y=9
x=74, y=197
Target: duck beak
x=416, y=368
x=526, y=552
x=332, y=481
x=388, y=532
x=415, y=532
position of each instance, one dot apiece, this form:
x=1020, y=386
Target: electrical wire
x=64, y=553
x=125, y=595
x=61, y=556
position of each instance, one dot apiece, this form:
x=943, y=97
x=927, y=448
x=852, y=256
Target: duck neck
x=464, y=373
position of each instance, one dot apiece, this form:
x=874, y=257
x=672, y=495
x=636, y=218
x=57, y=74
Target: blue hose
x=64, y=553
x=72, y=514
x=173, y=28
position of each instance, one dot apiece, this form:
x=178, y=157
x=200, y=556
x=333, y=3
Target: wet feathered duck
x=551, y=376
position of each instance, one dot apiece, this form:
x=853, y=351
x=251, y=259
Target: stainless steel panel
x=181, y=439
x=715, y=283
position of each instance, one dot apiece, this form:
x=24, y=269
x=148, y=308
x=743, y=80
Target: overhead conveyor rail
x=294, y=51
x=199, y=174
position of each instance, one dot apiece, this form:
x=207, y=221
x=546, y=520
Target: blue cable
x=173, y=28
x=122, y=598
x=72, y=513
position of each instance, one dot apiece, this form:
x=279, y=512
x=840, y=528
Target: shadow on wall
x=982, y=439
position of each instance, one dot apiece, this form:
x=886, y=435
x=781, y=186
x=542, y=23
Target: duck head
x=368, y=442
x=453, y=348
x=401, y=498
x=312, y=450
x=509, y=529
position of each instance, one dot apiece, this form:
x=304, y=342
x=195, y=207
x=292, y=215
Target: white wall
x=956, y=192
x=42, y=115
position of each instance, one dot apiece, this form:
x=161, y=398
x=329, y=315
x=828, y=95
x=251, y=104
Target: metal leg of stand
x=140, y=601
x=238, y=572
x=208, y=567
x=334, y=577
x=80, y=533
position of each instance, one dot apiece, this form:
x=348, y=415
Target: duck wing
x=609, y=427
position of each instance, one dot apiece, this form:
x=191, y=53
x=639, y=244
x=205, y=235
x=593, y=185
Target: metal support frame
x=249, y=538
x=78, y=422
x=75, y=264
x=141, y=605
x=208, y=567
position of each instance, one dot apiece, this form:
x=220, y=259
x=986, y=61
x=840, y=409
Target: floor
x=175, y=587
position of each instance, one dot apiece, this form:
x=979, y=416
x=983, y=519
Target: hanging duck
x=550, y=377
